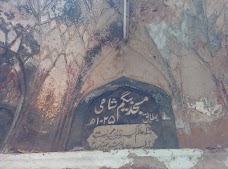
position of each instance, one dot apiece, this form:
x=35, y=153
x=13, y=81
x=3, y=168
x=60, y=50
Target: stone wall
x=53, y=53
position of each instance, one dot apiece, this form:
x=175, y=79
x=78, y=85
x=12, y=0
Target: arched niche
x=124, y=114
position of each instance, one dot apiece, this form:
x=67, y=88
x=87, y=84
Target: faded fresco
x=55, y=52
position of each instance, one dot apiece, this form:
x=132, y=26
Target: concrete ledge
x=163, y=158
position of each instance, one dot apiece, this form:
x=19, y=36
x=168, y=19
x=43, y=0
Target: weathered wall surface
x=123, y=159
x=54, y=52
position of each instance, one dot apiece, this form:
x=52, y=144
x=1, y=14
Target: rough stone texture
x=54, y=52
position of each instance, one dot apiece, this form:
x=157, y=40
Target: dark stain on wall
x=72, y=11
x=6, y=118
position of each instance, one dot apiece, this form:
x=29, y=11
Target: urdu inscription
x=124, y=118
x=126, y=107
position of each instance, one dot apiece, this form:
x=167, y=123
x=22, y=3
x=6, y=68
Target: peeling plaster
x=207, y=110
x=226, y=163
x=175, y=159
x=157, y=33
x=172, y=158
